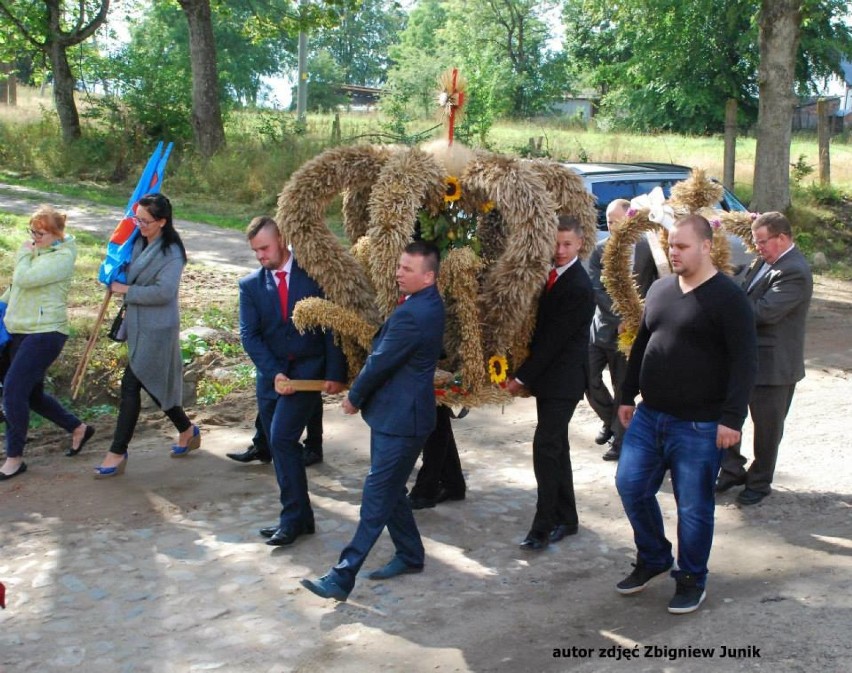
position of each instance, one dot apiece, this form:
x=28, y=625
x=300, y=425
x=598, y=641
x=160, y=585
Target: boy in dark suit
x=556, y=373
x=280, y=353
x=396, y=395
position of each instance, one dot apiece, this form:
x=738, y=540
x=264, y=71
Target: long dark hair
x=161, y=208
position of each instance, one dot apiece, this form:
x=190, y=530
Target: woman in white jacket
x=37, y=321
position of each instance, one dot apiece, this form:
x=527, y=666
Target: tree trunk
x=63, y=93
x=780, y=24
x=206, y=113
x=62, y=30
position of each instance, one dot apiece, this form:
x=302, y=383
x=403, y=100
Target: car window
x=606, y=192
x=609, y=191
x=618, y=188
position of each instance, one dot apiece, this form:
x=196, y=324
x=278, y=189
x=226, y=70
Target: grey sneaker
x=639, y=578
x=688, y=596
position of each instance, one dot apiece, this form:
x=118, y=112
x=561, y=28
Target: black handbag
x=118, y=330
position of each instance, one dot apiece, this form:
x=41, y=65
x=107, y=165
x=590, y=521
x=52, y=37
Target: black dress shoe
x=418, y=502
x=604, y=435
x=613, y=453
x=724, y=484
x=444, y=495
x=325, y=587
x=284, y=537
x=562, y=530
x=268, y=531
x=535, y=541
x=87, y=435
x=310, y=457
x=250, y=454
x=421, y=502
x=21, y=469
x=750, y=497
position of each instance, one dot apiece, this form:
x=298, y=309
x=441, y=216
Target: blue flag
x=120, y=245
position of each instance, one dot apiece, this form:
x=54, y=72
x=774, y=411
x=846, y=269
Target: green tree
x=246, y=54
x=418, y=57
x=325, y=78
x=499, y=46
x=51, y=28
x=359, y=44
x=146, y=78
x=667, y=64
x=512, y=35
x=146, y=94
x=664, y=64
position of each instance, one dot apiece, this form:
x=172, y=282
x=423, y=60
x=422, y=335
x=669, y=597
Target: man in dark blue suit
x=280, y=353
x=556, y=373
x=396, y=395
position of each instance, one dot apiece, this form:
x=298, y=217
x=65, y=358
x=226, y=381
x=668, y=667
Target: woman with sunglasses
x=153, y=333
x=37, y=321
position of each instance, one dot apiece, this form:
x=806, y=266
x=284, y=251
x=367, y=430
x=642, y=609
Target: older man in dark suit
x=280, y=353
x=396, y=395
x=556, y=373
x=779, y=286
x=604, y=331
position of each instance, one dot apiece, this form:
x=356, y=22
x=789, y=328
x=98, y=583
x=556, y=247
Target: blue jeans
x=384, y=503
x=656, y=442
x=23, y=388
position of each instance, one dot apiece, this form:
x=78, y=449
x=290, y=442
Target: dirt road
x=162, y=570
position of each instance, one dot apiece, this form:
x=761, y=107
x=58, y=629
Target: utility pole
x=302, y=86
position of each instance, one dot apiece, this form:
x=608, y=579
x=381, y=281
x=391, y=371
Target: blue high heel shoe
x=102, y=472
x=194, y=442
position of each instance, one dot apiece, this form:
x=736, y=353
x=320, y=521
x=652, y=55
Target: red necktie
x=282, y=292
x=551, y=279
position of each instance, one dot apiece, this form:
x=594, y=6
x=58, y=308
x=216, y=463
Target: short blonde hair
x=50, y=219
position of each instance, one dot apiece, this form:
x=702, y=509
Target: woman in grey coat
x=153, y=333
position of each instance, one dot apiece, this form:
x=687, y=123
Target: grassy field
x=266, y=143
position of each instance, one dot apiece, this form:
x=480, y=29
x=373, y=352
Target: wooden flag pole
x=77, y=381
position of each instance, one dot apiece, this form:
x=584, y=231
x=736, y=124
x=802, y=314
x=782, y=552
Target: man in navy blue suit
x=396, y=396
x=280, y=353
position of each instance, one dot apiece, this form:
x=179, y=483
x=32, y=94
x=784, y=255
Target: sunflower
x=486, y=207
x=453, y=189
x=498, y=368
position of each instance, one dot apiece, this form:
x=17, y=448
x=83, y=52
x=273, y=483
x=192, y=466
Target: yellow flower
x=486, y=207
x=498, y=368
x=453, y=189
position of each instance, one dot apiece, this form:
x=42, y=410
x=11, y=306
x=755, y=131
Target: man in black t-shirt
x=694, y=361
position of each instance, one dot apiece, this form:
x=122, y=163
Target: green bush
x=825, y=194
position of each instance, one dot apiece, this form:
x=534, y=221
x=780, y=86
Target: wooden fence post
x=4, y=83
x=824, y=138
x=335, y=129
x=729, y=161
